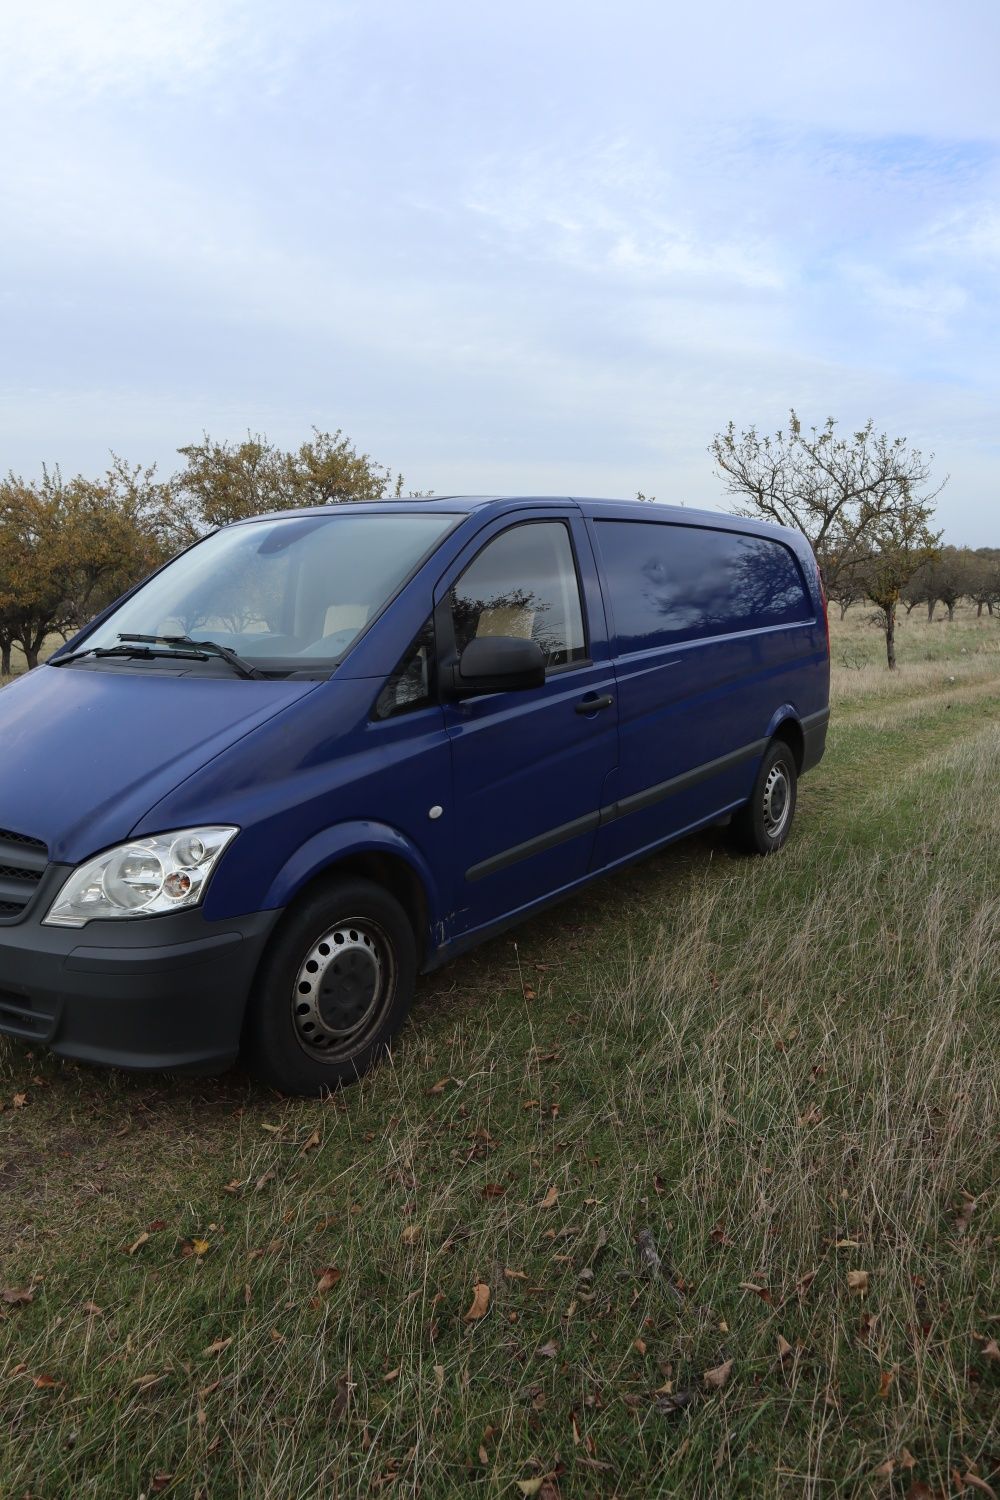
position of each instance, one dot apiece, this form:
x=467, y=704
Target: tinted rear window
x=681, y=583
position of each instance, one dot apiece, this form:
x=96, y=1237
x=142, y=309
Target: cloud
x=613, y=209
x=73, y=48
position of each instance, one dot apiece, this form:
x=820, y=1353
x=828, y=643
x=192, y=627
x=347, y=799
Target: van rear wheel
x=763, y=825
x=334, y=988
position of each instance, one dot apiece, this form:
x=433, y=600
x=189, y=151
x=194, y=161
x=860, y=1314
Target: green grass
x=774, y=1073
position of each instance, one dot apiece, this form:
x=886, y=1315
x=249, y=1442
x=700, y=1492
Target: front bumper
x=148, y=992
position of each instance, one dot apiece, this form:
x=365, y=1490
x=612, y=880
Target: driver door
x=529, y=766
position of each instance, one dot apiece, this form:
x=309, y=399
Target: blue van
x=322, y=751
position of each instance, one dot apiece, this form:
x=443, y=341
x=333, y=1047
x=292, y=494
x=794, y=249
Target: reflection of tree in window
x=515, y=612
x=670, y=583
x=523, y=584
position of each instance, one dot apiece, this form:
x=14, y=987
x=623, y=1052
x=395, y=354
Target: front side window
x=670, y=583
x=523, y=583
x=286, y=594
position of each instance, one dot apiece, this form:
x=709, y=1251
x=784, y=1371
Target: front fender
x=340, y=841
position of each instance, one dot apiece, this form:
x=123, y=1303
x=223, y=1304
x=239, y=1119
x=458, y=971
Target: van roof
x=466, y=504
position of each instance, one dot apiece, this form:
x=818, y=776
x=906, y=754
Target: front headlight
x=142, y=878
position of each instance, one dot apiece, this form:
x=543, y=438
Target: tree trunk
x=4, y=658
x=931, y=606
x=979, y=610
x=890, y=637
x=951, y=612
x=844, y=608
x=990, y=606
x=31, y=656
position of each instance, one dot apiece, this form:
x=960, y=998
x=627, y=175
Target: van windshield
x=286, y=594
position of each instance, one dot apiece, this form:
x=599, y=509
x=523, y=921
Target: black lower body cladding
x=152, y=993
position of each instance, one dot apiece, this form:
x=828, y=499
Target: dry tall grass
x=719, y=1139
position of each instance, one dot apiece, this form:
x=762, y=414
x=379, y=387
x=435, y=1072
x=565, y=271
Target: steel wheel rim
x=342, y=990
x=777, y=800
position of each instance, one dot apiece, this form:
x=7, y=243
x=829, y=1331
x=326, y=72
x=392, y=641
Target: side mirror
x=497, y=664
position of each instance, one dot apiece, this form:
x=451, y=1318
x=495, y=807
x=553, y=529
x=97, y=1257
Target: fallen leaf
x=156, y=1226
x=144, y=1382
x=277, y=1337
x=760, y=1291
x=716, y=1379
x=159, y=1482
x=973, y=1481
x=47, y=1382
x=218, y=1345
x=530, y=1486
x=847, y=1245
x=411, y=1234
x=784, y=1348
x=551, y=1198
x=92, y=1310
x=857, y=1281
x=262, y=1181
x=494, y=1190
x=391, y=1376
x=138, y=1244
x=964, y=1216
x=547, y=1351
x=992, y=1349
x=200, y=1247
x=513, y=1275
x=813, y=1117
x=885, y=1382
x=674, y=1401
x=439, y=1087
x=639, y=1346
x=18, y=1294
x=19, y=1101
x=327, y=1278
x=311, y=1142
x=884, y=1470
x=480, y=1302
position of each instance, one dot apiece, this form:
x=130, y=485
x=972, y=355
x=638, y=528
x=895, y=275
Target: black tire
x=763, y=825
x=334, y=987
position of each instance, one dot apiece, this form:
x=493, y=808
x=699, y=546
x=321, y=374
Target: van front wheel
x=763, y=825
x=333, y=990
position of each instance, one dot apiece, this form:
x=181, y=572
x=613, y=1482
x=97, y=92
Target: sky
x=544, y=248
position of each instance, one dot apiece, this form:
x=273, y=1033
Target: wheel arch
x=786, y=727
x=375, y=852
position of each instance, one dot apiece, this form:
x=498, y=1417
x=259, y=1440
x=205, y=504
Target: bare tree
x=836, y=490
x=903, y=543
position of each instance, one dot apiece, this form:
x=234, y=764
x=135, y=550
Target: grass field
x=712, y=1150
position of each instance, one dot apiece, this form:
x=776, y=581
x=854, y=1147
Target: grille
x=22, y=865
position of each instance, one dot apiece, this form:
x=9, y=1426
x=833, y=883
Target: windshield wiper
x=196, y=649
x=140, y=647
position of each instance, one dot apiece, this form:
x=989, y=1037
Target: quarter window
x=672, y=583
x=409, y=686
x=523, y=583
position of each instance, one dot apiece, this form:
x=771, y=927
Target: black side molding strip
x=538, y=845
x=613, y=810
x=662, y=789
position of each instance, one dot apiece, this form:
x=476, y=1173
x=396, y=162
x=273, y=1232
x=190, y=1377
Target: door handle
x=595, y=703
